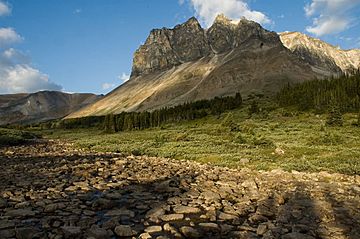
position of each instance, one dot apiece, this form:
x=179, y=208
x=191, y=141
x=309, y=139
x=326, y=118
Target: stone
x=125, y=231
x=172, y=217
x=3, y=203
x=261, y=230
x=71, y=232
x=155, y=212
x=20, y=213
x=190, y=232
x=120, y=212
x=226, y=216
x=185, y=209
x=209, y=226
x=297, y=235
x=153, y=229
x=145, y=236
x=211, y=196
x=27, y=233
x=97, y=233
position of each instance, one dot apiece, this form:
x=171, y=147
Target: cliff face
x=166, y=48
x=41, y=106
x=321, y=54
x=189, y=63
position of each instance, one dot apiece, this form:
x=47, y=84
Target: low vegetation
x=283, y=138
x=11, y=137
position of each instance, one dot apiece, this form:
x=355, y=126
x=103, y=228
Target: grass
x=238, y=141
x=11, y=137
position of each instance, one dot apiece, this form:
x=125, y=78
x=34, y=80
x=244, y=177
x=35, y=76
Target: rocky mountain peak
x=166, y=48
x=222, y=19
x=320, y=53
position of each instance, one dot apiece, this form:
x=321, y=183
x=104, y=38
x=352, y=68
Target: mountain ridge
x=41, y=106
x=188, y=63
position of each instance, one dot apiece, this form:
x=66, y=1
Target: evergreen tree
x=253, y=108
x=335, y=116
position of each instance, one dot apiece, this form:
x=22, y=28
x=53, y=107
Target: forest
x=142, y=120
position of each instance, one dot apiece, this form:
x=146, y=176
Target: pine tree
x=254, y=108
x=335, y=117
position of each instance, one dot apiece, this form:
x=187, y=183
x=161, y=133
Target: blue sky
x=87, y=45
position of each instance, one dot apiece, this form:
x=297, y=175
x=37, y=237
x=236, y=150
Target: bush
x=253, y=108
x=326, y=139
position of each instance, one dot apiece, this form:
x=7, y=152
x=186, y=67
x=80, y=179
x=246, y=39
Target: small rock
x=124, y=231
x=120, y=212
x=185, y=209
x=71, y=232
x=26, y=233
x=153, y=229
x=97, y=233
x=279, y=151
x=296, y=235
x=20, y=213
x=226, y=216
x=209, y=226
x=3, y=203
x=155, y=212
x=190, y=232
x=172, y=217
x=145, y=236
x=261, y=230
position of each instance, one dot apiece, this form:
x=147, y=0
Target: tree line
x=142, y=120
x=322, y=95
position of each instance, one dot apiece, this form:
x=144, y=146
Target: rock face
x=321, y=54
x=190, y=63
x=41, y=106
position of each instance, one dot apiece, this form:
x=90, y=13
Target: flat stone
x=4, y=224
x=7, y=233
x=186, y=209
x=120, y=212
x=261, y=230
x=155, y=212
x=209, y=226
x=153, y=229
x=172, y=217
x=125, y=231
x=20, y=213
x=26, y=233
x=211, y=196
x=3, y=203
x=71, y=232
x=227, y=216
x=97, y=233
x=297, y=235
x=190, y=232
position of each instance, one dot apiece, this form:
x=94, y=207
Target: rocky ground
x=48, y=190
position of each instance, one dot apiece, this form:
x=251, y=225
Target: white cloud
x=4, y=9
x=181, y=2
x=23, y=78
x=107, y=86
x=207, y=10
x=124, y=77
x=330, y=16
x=8, y=36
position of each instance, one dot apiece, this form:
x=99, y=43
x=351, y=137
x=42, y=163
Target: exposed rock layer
x=320, y=53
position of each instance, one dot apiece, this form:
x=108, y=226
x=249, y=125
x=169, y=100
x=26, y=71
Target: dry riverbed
x=50, y=190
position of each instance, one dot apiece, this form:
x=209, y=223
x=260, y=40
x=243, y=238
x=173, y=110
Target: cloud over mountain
x=207, y=10
x=330, y=16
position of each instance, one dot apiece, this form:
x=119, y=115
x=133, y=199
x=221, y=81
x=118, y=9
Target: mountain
x=190, y=63
x=41, y=106
x=321, y=54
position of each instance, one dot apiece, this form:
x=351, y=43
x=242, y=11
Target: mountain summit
x=189, y=63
